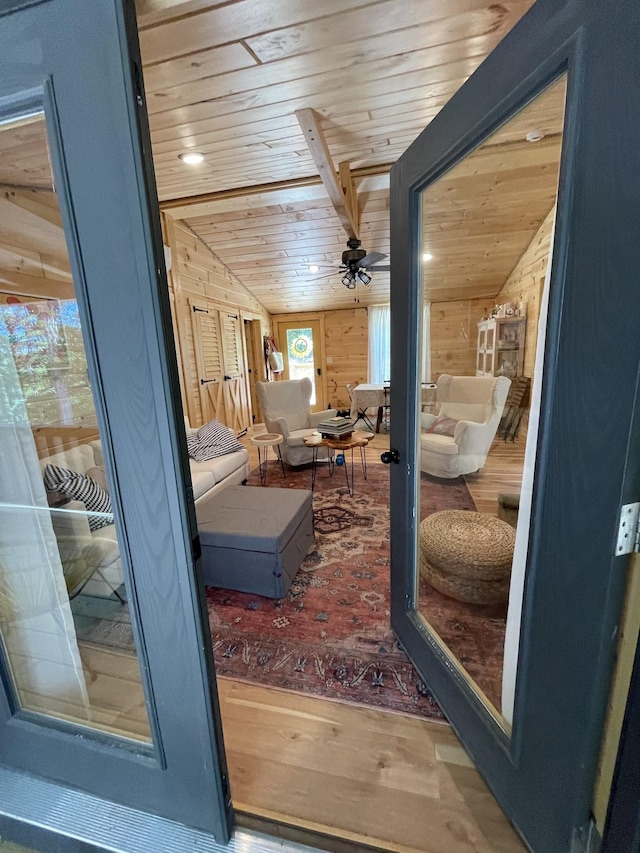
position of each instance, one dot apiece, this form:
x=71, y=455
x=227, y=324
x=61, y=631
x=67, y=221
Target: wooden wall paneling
x=36, y=287
x=347, y=352
x=524, y=282
x=189, y=365
x=454, y=335
x=51, y=440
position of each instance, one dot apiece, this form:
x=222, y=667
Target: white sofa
x=476, y=404
x=212, y=476
x=99, y=548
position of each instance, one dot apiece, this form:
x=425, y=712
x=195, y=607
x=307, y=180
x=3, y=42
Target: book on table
x=337, y=427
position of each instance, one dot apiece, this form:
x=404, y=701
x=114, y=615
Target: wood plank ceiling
x=226, y=79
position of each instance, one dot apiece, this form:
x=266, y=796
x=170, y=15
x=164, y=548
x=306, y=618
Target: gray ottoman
x=254, y=539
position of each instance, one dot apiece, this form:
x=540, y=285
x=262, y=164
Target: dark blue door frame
x=78, y=62
x=586, y=465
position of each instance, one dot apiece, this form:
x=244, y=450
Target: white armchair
x=286, y=406
x=457, y=439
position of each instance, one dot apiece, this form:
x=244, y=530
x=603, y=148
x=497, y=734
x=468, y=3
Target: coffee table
x=339, y=445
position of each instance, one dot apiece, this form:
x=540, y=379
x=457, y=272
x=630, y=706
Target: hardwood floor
x=388, y=780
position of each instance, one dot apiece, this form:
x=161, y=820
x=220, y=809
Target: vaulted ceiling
x=226, y=79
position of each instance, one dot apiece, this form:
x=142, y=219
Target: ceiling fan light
x=364, y=276
x=349, y=279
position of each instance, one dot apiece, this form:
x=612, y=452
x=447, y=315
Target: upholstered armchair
x=457, y=439
x=286, y=406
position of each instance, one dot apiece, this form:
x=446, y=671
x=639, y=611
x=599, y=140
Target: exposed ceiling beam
x=349, y=190
x=367, y=179
x=310, y=126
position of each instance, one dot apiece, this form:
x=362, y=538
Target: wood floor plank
x=386, y=779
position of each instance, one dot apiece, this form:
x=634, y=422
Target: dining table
x=377, y=396
x=370, y=396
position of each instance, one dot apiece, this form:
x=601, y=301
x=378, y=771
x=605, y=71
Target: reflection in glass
x=64, y=619
x=487, y=232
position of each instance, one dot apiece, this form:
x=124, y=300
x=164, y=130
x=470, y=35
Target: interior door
x=529, y=173
x=301, y=344
x=113, y=743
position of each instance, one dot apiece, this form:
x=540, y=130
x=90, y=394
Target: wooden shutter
x=232, y=345
x=207, y=343
x=235, y=386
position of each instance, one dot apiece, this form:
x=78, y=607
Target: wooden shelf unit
x=500, y=349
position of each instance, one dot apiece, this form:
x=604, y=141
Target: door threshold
x=306, y=833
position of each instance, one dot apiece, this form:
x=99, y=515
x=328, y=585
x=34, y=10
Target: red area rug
x=330, y=636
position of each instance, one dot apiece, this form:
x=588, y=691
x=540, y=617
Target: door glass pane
x=487, y=230
x=301, y=358
x=64, y=617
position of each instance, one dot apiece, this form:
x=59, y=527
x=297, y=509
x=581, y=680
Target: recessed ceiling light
x=427, y=256
x=313, y=268
x=191, y=157
x=535, y=135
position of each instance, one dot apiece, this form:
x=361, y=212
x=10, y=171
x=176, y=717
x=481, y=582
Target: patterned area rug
x=330, y=636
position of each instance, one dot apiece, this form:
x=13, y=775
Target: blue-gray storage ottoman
x=254, y=539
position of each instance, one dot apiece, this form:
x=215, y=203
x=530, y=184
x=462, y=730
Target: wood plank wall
x=346, y=349
x=527, y=282
x=454, y=336
x=197, y=273
x=454, y=324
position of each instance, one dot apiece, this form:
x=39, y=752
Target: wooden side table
x=340, y=446
x=263, y=442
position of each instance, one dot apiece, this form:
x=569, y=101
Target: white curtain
x=35, y=616
x=426, y=342
x=379, y=344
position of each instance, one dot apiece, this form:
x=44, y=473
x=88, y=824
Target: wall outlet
x=329, y=359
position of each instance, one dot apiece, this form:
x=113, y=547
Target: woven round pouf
x=467, y=555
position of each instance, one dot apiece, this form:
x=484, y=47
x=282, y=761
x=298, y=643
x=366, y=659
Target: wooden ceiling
x=479, y=218
x=226, y=79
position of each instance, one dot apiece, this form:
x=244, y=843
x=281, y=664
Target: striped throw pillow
x=79, y=487
x=54, y=475
x=212, y=440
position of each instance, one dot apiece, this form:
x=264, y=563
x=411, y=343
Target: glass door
x=301, y=344
x=104, y=646
x=506, y=589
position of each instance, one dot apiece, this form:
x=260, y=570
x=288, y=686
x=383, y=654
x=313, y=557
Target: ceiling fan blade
x=379, y=268
x=372, y=258
x=315, y=277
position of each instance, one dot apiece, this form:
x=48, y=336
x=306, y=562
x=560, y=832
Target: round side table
x=263, y=442
x=339, y=446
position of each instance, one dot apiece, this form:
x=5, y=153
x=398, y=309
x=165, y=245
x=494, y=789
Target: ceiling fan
x=357, y=264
